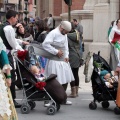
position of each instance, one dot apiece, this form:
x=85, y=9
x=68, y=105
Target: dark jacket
x=74, y=49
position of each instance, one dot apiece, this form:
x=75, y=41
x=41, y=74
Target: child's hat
x=103, y=72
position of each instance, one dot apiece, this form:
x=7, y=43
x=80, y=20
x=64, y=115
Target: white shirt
x=54, y=41
x=50, y=22
x=10, y=36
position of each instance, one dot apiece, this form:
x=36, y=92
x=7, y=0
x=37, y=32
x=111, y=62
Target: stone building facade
x=94, y=15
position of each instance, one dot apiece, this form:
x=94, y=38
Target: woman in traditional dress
x=114, y=37
x=7, y=109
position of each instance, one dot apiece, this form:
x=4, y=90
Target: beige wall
x=13, y=1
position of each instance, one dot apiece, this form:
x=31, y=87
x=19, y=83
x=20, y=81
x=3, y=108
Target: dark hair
x=50, y=15
x=11, y=13
x=73, y=25
x=41, y=25
x=26, y=33
x=18, y=33
x=74, y=20
x=117, y=21
x=112, y=23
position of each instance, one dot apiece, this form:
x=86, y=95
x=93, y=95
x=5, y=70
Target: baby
x=107, y=78
x=37, y=73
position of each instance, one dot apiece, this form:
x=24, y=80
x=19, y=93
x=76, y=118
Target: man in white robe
x=57, y=44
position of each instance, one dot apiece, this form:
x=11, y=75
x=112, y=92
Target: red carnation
x=40, y=85
x=22, y=54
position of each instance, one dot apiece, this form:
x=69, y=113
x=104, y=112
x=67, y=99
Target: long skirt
x=7, y=108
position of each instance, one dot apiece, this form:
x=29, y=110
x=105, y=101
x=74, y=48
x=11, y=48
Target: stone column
x=89, y=4
x=104, y=13
x=114, y=9
x=51, y=4
x=100, y=29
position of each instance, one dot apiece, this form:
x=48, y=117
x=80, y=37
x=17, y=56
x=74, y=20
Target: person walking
x=7, y=34
x=74, y=59
x=56, y=43
x=50, y=22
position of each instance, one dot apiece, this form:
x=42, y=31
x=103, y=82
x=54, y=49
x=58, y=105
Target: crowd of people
x=64, y=41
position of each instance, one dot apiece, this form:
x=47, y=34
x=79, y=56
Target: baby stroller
x=37, y=91
x=101, y=93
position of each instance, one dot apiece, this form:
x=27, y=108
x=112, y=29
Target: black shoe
x=17, y=105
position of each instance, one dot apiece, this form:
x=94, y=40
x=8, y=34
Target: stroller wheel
x=117, y=110
x=32, y=104
x=51, y=110
x=25, y=109
x=57, y=106
x=92, y=105
x=105, y=104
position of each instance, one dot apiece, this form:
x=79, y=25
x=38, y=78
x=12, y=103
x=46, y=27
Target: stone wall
x=94, y=15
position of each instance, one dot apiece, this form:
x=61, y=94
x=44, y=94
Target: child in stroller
x=32, y=87
x=108, y=78
x=102, y=93
x=37, y=73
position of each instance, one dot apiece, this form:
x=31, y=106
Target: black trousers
x=76, y=76
x=12, y=87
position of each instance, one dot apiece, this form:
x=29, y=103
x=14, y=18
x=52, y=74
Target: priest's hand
x=66, y=60
x=60, y=53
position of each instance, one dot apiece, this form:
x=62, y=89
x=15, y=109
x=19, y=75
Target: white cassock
x=52, y=43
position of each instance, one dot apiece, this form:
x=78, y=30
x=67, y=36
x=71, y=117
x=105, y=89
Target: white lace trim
x=6, y=67
x=4, y=100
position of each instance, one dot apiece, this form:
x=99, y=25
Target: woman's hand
x=8, y=80
x=25, y=43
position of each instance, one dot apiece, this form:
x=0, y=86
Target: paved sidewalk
x=84, y=87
